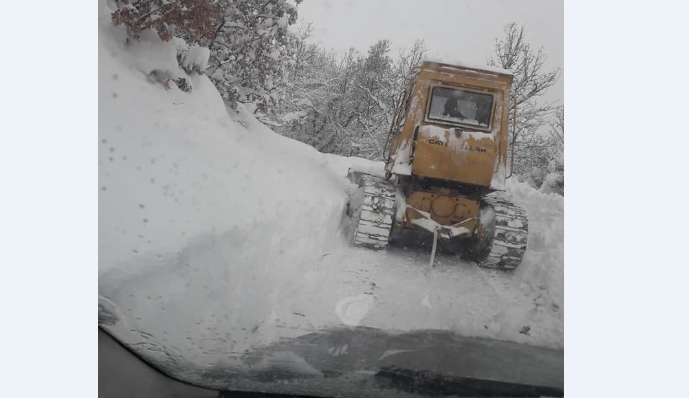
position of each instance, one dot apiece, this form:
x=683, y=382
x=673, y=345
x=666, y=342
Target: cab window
x=460, y=107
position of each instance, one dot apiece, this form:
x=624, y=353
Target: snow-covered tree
x=193, y=20
x=313, y=89
x=345, y=104
x=405, y=64
x=182, y=21
x=530, y=82
x=252, y=49
x=544, y=159
x=325, y=86
x=555, y=180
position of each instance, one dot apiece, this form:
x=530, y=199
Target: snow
x=217, y=235
x=550, y=182
x=194, y=202
x=457, y=231
x=196, y=58
x=401, y=203
x=341, y=165
x=477, y=135
x=430, y=225
x=150, y=53
x=290, y=116
x=435, y=132
x=543, y=266
x=352, y=310
x=498, y=180
x=425, y=223
x=455, y=141
x=473, y=122
x=402, y=159
x=471, y=65
x=403, y=169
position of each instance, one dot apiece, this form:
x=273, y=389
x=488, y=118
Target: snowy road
x=454, y=295
x=391, y=290
x=181, y=329
x=396, y=290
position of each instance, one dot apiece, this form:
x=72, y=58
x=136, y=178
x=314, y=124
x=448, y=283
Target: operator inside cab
x=452, y=107
x=465, y=105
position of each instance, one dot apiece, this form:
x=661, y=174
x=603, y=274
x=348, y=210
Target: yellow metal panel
x=455, y=156
x=443, y=209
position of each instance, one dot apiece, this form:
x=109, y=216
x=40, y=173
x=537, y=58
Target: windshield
x=460, y=106
x=250, y=237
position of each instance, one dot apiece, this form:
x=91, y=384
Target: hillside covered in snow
x=217, y=235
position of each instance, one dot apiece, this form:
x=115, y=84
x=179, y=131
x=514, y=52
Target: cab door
x=397, y=128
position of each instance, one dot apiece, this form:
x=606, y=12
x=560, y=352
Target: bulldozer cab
x=452, y=126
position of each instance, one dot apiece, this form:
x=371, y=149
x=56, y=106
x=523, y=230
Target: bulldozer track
x=373, y=211
x=511, y=234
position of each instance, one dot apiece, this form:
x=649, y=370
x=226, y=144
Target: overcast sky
x=453, y=29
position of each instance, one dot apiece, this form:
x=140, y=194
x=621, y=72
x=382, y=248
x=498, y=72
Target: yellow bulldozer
x=446, y=168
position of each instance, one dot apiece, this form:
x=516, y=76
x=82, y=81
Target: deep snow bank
x=174, y=166
x=543, y=265
x=198, y=211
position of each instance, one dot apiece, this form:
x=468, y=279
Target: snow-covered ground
x=217, y=235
